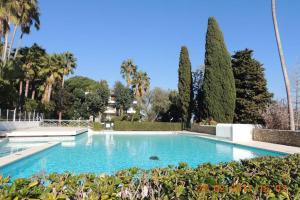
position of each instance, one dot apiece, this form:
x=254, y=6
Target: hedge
x=96, y=126
x=146, y=126
x=259, y=178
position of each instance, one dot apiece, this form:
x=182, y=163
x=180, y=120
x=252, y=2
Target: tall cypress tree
x=218, y=86
x=252, y=95
x=185, y=85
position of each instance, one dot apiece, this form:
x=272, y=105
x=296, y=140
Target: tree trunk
x=26, y=88
x=44, y=98
x=297, y=102
x=32, y=90
x=4, y=51
x=284, y=68
x=62, y=98
x=12, y=41
x=59, y=117
x=18, y=46
x=49, y=93
x=20, y=88
x=20, y=92
x=33, y=94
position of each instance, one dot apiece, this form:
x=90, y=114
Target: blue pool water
x=109, y=153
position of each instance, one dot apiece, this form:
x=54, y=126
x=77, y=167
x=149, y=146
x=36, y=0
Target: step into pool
x=109, y=153
x=14, y=147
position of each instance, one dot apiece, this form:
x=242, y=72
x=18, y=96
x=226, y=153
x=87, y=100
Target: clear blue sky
x=102, y=33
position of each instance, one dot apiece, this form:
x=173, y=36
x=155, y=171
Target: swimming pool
x=112, y=152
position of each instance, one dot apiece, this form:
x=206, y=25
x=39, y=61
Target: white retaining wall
x=235, y=132
x=14, y=125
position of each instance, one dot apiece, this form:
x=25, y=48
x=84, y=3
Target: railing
x=14, y=115
x=64, y=123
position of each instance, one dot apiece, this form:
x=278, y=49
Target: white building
x=111, y=110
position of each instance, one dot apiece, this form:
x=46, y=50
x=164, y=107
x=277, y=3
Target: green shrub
x=30, y=105
x=96, y=126
x=259, y=178
x=146, y=126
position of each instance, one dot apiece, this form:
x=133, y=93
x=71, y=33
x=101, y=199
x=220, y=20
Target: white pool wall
x=235, y=132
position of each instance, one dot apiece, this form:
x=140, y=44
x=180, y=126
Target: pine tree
x=218, y=86
x=252, y=95
x=185, y=85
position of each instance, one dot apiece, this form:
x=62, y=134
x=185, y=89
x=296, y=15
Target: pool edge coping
x=12, y=158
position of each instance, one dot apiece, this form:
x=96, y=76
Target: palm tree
x=128, y=71
x=53, y=74
x=20, y=13
x=67, y=65
x=141, y=84
x=6, y=16
x=30, y=17
x=4, y=26
x=284, y=67
x=27, y=14
x=32, y=61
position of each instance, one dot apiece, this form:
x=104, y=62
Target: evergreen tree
x=219, y=93
x=98, y=101
x=173, y=113
x=252, y=95
x=124, y=97
x=185, y=85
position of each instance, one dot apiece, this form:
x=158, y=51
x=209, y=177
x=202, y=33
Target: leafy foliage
x=161, y=105
x=79, y=108
x=124, y=97
x=252, y=96
x=259, y=178
x=8, y=94
x=155, y=104
x=97, y=126
x=83, y=97
x=138, y=80
x=97, y=101
x=128, y=71
x=173, y=114
x=185, y=85
x=160, y=102
x=30, y=105
x=218, y=87
x=80, y=82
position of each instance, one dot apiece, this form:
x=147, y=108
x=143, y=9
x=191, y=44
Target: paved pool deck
x=45, y=132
